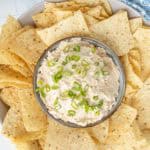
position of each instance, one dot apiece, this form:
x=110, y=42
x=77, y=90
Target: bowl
x=110, y=53
x=26, y=19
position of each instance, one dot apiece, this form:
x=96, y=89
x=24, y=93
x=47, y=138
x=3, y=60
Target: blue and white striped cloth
x=142, y=6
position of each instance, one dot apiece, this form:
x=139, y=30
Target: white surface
x=16, y=7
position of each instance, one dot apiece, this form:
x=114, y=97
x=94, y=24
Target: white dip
x=78, y=82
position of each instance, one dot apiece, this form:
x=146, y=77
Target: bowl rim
x=109, y=53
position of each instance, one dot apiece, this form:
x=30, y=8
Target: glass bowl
x=109, y=52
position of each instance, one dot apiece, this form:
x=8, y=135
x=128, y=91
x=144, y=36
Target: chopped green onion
x=71, y=113
x=85, y=63
x=57, y=76
x=56, y=104
x=77, y=86
x=77, y=48
x=74, y=58
x=54, y=87
x=105, y=73
x=67, y=73
x=74, y=105
x=97, y=113
x=66, y=49
x=95, y=98
x=74, y=66
x=83, y=92
x=71, y=94
x=37, y=89
x=42, y=92
x=100, y=104
x=85, y=105
x=40, y=82
x=50, y=63
x=47, y=88
x=67, y=59
x=99, y=73
x=93, y=50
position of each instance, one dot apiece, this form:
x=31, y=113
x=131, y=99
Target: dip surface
x=78, y=82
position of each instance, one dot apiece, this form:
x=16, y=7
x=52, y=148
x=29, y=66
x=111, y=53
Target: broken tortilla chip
x=135, y=24
x=62, y=137
x=115, y=32
x=9, y=76
x=33, y=117
x=142, y=37
x=74, y=25
x=11, y=26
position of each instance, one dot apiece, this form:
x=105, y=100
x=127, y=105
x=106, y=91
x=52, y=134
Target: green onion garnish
x=93, y=50
x=42, y=92
x=77, y=86
x=47, y=88
x=74, y=105
x=85, y=63
x=74, y=66
x=56, y=104
x=71, y=94
x=77, y=48
x=50, y=63
x=66, y=49
x=74, y=58
x=67, y=73
x=40, y=82
x=97, y=113
x=100, y=104
x=99, y=73
x=71, y=113
x=105, y=73
x=55, y=87
x=57, y=76
x=95, y=98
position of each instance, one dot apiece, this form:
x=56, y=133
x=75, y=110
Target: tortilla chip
x=48, y=7
x=141, y=103
x=100, y=132
x=43, y=20
x=131, y=77
x=69, y=5
x=135, y=24
x=14, y=62
x=10, y=96
x=126, y=140
x=103, y=3
x=31, y=145
x=124, y=134
x=146, y=134
x=33, y=117
x=11, y=26
x=62, y=137
x=142, y=37
x=61, y=14
x=10, y=76
x=74, y=25
x=115, y=32
x=42, y=142
x=90, y=20
x=97, y=12
x=122, y=118
x=28, y=46
x=13, y=125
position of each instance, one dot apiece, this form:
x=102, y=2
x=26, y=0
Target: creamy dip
x=78, y=82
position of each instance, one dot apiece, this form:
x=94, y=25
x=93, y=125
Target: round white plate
x=26, y=19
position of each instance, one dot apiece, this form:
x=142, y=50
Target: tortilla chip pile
x=20, y=48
